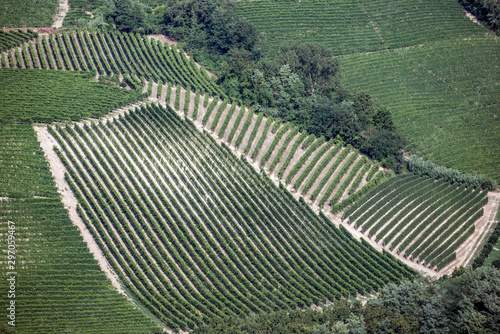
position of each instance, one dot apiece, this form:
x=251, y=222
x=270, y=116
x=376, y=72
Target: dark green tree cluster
x=466, y=302
x=302, y=85
x=486, y=11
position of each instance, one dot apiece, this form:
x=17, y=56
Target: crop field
x=328, y=175
x=432, y=67
x=138, y=197
x=30, y=95
x=357, y=26
x=111, y=53
x=446, y=104
x=27, y=13
x=194, y=232
x=425, y=219
x=15, y=38
x=59, y=287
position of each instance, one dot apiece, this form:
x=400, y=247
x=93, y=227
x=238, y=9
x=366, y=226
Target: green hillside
x=432, y=67
x=445, y=98
x=356, y=26
x=27, y=13
x=59, y=287
x=195, y=233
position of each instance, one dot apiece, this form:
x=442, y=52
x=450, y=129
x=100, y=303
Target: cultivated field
x=429, y=64
x=193, y=232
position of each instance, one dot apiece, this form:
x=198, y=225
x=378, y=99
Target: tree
x=314, y=63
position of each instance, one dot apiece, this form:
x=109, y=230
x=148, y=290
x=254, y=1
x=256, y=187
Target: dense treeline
x=419, y=166
x=300, y=84
x=467, y=302
x=486, y=11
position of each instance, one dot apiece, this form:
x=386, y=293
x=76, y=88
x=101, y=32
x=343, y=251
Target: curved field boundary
x=426, y=221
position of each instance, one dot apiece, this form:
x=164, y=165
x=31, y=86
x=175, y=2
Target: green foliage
x=445, y=112
x=487, y=248
x=44, y=96
x=419, y=166
x=206, y=196
x=348, y=29
x=449, y=305
x=486, y=11
x=63, y=284
x=15, y=38
x=205, y=26
x=26, y=13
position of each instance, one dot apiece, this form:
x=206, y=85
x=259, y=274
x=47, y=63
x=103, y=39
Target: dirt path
x=70, y=203
x=358, y=235
x=61, y=14
x=154, y=92
x=192, y=96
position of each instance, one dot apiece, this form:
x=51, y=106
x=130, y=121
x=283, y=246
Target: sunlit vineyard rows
x=194, y=232
x=327, y=174
x=424, y=219
x=132, y=55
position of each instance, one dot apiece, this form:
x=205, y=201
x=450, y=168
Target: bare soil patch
x=61, y=14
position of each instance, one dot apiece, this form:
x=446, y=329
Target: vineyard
x=142, y=199
x=132, y=56
x=27, y=13
x=59, y=286
x=44, y=96
x=15, y=38
x=357, y=26
x=447, y=113
x=189, y=248
x=424, y=219
x=328, y=175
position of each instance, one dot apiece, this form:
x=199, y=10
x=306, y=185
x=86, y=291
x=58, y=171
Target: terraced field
x=424, y=219
x=111, y=53
x=189, y=247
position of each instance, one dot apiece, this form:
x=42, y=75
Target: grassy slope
x=59, y=286
x=45, y=96
x=440, y=79
x=444, y=96
x=19, y=13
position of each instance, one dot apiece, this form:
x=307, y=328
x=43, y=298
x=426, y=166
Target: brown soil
x=61, y=14
x=274, y=153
